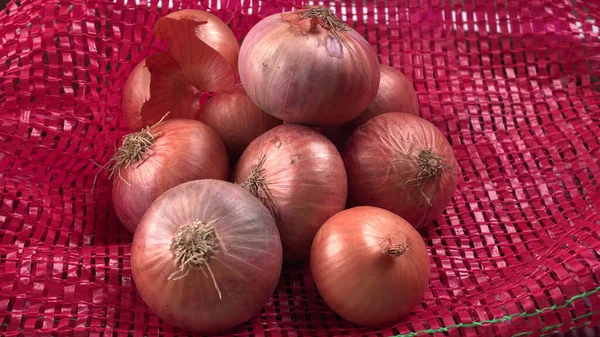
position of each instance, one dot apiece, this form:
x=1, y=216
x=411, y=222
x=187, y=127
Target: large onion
x=370, y=265
x=299, y=175
x=236, y=119
x=402, y=163
x=202, y=57
x=206, y=256
x=160, y=157
x=308, y=67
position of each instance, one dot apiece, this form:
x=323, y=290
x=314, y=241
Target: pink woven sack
x=514, y=85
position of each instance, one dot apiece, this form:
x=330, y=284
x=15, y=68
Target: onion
x=370, y=265
x=206, y=256
x=299, y=175
x=160, y=157
x=236, y=119
x=202, y=57
x=395, y=94
x=402, y=163
x=308, y=67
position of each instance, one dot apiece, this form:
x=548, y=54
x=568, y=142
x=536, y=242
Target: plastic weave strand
x=513, y=85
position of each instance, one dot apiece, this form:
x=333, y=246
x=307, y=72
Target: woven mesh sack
x=513, y=85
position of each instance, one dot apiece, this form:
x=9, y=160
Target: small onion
x=401, y=163
x=236, y=119
x=370, y=266
x=160, y=157
x=395, y=94
x=308, y=67
x=206, y=256
x=202, y=57
x=299, y=175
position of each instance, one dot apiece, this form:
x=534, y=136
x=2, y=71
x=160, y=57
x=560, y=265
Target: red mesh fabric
x=513, y=84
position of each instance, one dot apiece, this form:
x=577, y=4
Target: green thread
x=525, y=333
x=528, y=333
x=550, y=327
x=570, y=329
x=510, y=317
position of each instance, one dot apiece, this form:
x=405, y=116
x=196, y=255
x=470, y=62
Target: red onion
x=308, y=67
x=299, y=175
x=236, y=119
x=206, y=256
x=202, y=57
x=160, y=157
x=402, y=163
x=395, y=94
x=370, y=265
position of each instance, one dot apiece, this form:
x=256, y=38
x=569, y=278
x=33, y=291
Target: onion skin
x=202, y=57
x=236, y=119
x=136, y=91
x=357, y=274
x=246, y=263
x=308, y=76
x=185, y=150
x=305, y=183
x=382, y=162
x=395, y=94
x=203, y=46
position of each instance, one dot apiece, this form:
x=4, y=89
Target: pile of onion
x=401, y=163
x=160, y=157
x=206, y=256
x=308, y=67
x=202, y=57
x=236, y=119
x=370, y=265
x=299, y=175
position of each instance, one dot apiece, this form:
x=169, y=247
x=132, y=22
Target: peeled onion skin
x=305, y=183
x=236, y=119
x=246, y=259
x=210, y=29
x=184, y=150
x=314, y=77
x=370, y=266
x=202, y=57
x=383, y=159
x=136, y=91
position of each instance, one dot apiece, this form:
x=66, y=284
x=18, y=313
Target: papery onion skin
x=308, y=77
x=236, y=119
x=184, y=150
x=370, y=266
x=246, y=263
x=383, y=158
x=395, y=94
x=202, y=57
x=209, y=30
x=304, y=183
x=136, y=91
